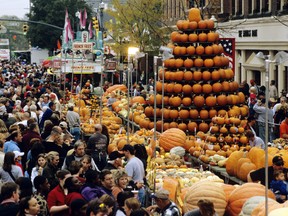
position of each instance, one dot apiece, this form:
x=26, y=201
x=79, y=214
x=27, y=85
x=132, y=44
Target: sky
x=14, y=7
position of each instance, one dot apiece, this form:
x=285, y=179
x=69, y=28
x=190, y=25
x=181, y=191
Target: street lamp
x=280, y=57
x=131, y=52
x=101, y=7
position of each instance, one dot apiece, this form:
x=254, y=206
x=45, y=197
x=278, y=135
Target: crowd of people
x=47, y=168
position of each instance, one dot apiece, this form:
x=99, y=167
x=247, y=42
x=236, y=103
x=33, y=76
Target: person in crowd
x=12, y=143
x=279, y=116
x=10, y=172
x=97, y=147
x=63, y=125
x=121, y=182
x=109, y=203
x=51, y=169
x=25, y=186
x=2, y=154
x=56, y=197
x=105, y=132
x=121, y=197
x=42, y=187
x=205, y=208
x=259, y=175
x=28, y=206
x=91, y=189
x=47, y=114
x=73, y=120
x=282, y=103
x=48, y=125
x=164, y=206
x=54, y=98
x=96, y=208
x=114, y=161
x=2, y=106
x=255, y=141
x=135, y=170
x=273, y=92
x=38, y=169
x=32, y=132
x=18, y=157
x=260, y=110
x=140, y=212
x=284, y=127
x=78, y=207
x=36, y=148
x=130, y=205
x=73, y=185
x=111, y=100
x=252, y=100
x=86, y=164
x=3, y=128
x=78, y=153
x=279, y=186
x=10, y=197
x=107, y=181
x=251, y=123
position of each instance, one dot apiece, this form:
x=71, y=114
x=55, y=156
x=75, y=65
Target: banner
x=229, y=50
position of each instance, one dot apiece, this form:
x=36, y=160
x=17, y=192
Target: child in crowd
x=38, y=169
x=279, y=186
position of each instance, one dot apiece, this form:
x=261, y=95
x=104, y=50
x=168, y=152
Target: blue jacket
x=279, y=187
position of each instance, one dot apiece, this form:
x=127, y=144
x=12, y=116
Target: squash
x=250, y=204
x=194, y=15
x=255, y=154
x=239, y=196
x=228, y=190
x=232, y=162
x=171, y=138
x=205, y=190
x=259, y=210
x=279, y=212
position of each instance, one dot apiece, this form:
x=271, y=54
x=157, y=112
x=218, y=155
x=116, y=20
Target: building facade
x=257, y=26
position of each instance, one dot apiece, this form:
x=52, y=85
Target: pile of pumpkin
x=112, y=122
x=233, y=200
x=197, y=83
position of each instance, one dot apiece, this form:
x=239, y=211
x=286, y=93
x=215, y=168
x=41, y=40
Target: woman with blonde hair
x=121, y=182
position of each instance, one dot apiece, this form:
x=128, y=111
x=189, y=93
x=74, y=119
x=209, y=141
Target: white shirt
x=258, y=142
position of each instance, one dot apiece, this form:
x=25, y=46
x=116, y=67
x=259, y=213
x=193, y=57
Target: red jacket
x=72, y=196
x=56, y=197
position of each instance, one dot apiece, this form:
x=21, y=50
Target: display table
x=219, y=171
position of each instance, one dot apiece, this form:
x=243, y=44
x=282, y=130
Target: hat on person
x=161, y=194
x=128, y=147
x=278, y=161
x=272, y=100
x=17, y=154
x=252, y=81
x=114, y=155
x=63, y=124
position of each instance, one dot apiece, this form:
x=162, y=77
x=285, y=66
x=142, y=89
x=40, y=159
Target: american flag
x=229, y=50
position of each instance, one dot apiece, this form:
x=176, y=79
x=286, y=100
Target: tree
x=138, y=23
x=52, y=12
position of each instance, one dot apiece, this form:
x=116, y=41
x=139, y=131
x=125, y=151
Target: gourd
x=239, y=196
x=279, y=212
x=178, y=151
x=250, y=204
x=205, y=190
x=194, y=15
x=171, y=138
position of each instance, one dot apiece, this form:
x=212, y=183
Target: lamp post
x=131, y=52
x=101, y=7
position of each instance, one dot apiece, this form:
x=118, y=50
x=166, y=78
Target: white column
x=272, y=66
x=280, y=80
x=242, y=69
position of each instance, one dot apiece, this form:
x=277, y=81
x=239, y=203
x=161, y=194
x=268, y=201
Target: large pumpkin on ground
x=239, y=196
x=212, y=191
x=171, y=138
x=252, y=203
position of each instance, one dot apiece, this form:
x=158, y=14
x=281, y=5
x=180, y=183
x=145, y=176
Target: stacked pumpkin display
x=199, y=91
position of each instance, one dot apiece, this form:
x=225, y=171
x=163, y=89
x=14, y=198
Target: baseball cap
x=128, y=147
x=278, y=161
x=17, y=154
x=161, y=194
x=63, y=124
x=114, y=155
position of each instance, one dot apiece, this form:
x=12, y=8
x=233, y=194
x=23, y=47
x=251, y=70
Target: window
x=247, y=33
x=249, y=7
x=254, y=33
x=240, y=33
x=233, y=7
x=278, y=5
x=239, y=12
x=265, y=7
x=256, y=6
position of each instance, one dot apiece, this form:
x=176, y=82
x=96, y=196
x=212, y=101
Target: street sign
x=5, y=54
x=82, y=67
x=4, y=42
x=82, y=46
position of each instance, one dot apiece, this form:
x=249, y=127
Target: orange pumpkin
x=149, y=111
x=186, y=101
x=208, y=63
x=171, y=138
x=204, y=127
x=190, y=50
x=215, y=75
x=217, y=87
x=179, y=75
x=177, y=88
x=206, y=75
x=173, y=114
x=199, y=101
x=210, y=101
x=188, y=63
x=212, y=37
x=198, y=62
x=179, y=63
x=193, y=38
x=187, y=89
x=197, y=75
x=200, y=50
x=197, y=88
x=207, y=88
x=202, y=37
x=184, y=38
x=192, y=126
x=221, y=100
x=193, y=25
x=184, y=114
x=194, y=114
x=242, y=193
x=208, y=50
x=202, y=24
x=204, y=114
x=188, y=75
x=194, y=15
x=209, y=23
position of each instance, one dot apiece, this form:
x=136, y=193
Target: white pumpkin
x=250, y=204
x=279, y=212
x=178, y=150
